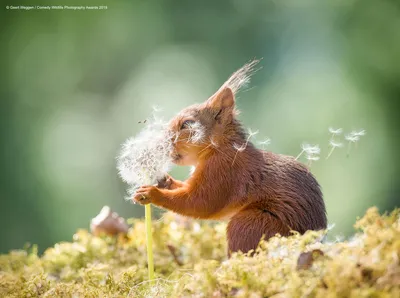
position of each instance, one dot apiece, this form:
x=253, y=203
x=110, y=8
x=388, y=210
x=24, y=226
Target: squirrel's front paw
x=165, y=182
x=146, y=194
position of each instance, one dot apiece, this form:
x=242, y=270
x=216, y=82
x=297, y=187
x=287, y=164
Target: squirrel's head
x=201, y=128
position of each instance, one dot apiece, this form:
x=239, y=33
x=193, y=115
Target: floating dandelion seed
x=334, y=145
x=312, y=152
x=311, y=158
x=241, y=148
x=331, y=226
x=339, y=238
x=252, y=133
x=359, y=133
x=156, y=108
x=309, y=150
x=265, y=143
x=354, y=137
x=335, y=131
x=213, y=142
x=196, y=132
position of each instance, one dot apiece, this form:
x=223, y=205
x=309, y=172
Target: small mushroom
x=109, y=223
x=306, y=259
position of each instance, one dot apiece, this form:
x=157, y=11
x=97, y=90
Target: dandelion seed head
x=335, y=131
x=335, y=144
x=145, y=158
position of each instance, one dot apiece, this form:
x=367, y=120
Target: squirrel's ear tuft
x=222, y=99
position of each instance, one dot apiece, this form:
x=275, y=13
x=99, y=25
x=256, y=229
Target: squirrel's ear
x=223, y=99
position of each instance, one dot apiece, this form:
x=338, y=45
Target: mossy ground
x=191, y=261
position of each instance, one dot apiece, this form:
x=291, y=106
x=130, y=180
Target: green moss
x=367, y=265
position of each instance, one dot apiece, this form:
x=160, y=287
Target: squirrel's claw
x=146, y=194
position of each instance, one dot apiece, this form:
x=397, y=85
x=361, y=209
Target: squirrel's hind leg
x=246, y=228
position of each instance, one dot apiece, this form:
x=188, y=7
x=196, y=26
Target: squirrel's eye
x=187, y=123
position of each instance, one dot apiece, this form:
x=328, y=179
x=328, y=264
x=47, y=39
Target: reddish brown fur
x=261, y=192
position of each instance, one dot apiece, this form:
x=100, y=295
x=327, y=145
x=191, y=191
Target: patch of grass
x=190, y=261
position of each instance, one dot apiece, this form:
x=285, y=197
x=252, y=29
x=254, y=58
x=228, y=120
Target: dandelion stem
x=149, y=237
x=348, y=150
x=330, y=152
x=149, y=240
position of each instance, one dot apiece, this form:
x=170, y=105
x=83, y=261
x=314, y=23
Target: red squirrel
x=261, y=193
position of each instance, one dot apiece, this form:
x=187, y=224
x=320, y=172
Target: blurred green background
x=76, y=83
